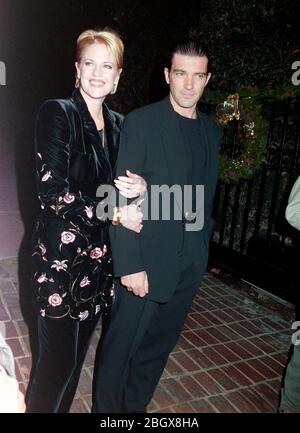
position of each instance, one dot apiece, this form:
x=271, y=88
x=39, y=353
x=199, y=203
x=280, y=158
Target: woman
x=77, y=144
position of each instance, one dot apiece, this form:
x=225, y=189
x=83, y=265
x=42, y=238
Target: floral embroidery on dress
x=46, y=176
x=60, y=265
x=72, y=263
x=55, y=300
x=84, y=282
x=42, y=249
x=69, y=198
x=83, y=315
x=67, y=237
x=42, y=278
x=96, y=253
x=89, y=211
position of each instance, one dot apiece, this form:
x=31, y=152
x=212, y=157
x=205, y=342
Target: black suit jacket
x=152, y=144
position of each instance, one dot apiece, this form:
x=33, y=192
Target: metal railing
x=251, y=236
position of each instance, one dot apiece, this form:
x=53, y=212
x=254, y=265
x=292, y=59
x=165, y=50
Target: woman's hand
x=131, y=186
x=132, y=217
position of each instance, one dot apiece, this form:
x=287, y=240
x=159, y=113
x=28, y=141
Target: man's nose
x=189, y=82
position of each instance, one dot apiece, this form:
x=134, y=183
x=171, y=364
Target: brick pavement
x=229, y=358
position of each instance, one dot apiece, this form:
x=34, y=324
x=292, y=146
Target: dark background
x=38, y=42
x=37, y=45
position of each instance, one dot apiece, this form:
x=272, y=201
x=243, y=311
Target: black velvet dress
x=72, y=265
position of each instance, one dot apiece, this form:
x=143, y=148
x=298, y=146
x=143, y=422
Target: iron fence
x=251, y=236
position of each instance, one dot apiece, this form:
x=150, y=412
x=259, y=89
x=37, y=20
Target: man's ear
x=167, y=75
x=208, y=78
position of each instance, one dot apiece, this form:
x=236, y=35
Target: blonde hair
x=110, y=38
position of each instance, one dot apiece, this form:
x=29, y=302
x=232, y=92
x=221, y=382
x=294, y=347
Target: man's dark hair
x=189, y=47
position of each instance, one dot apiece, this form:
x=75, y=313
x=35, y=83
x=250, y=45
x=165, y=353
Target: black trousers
x=135, y=349
x=63, y=344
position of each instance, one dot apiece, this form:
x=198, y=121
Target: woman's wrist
x=116, y=219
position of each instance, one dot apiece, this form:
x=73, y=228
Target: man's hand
x=136, y=283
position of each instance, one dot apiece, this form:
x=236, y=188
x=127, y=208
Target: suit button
x=179, y=253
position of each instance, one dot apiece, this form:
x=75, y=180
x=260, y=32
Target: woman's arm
x=52, y=141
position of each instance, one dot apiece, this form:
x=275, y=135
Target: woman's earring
x=77, y=83
x=114, y=88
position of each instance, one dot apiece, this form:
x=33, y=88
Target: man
x=170, y=143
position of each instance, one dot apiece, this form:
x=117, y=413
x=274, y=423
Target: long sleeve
x=125, y=243
x=53, y=142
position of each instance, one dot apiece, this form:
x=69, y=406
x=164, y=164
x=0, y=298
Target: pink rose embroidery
x=96, y=253
x=67, y=237
x=69, y=198
x=42, y=248
x=85, y=281
x=42, y=278
x=89, y=211
x=55, y=300
x=46, y=176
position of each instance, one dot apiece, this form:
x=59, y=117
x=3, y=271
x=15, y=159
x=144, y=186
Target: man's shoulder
x=146, y=112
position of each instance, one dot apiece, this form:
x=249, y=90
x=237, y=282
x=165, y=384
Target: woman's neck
x=95, y=107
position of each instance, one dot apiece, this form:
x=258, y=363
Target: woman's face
x=98, y=71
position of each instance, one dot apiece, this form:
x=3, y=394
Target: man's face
x=187, y=79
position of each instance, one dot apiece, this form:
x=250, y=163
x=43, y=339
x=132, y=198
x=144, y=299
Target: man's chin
x=187, y=104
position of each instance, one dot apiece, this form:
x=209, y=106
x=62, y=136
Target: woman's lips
x=97, y=83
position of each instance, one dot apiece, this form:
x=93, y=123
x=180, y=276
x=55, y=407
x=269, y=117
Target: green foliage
x=252, y=43
x=243, y=155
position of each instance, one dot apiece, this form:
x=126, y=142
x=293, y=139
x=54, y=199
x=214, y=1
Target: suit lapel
x=174, y=149
x=91, y=135
x=205, y=143
x=112, y=136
